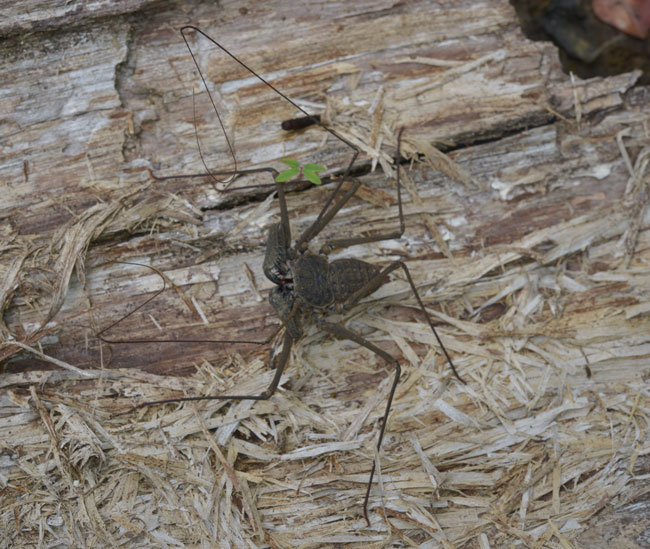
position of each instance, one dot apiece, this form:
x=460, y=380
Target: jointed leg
x=282, y=361
x=331, y=245
x=317, y=225
x=100, y=334
x=375, y=282
x=381, y=277
x=212, y=175
x=344, y=333
x=324, y=218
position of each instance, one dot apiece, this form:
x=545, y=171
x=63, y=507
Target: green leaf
x=291, y=162
x=310, y=173
x=313, y=177
x=287, y=174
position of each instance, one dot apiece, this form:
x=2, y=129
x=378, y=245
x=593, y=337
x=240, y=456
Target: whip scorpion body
x=307, y=285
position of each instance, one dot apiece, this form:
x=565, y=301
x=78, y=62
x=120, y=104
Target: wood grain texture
x=527, y=236
x=51, y=15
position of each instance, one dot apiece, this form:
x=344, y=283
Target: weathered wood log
x=527, y=235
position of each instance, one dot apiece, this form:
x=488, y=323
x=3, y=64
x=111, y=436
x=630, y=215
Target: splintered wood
x=530, y=252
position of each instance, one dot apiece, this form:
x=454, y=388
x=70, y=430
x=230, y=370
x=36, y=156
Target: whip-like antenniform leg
x=300, y=290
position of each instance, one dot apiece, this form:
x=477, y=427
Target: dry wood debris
x=530, y=250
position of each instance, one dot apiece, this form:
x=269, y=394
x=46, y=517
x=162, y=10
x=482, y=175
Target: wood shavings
x=440, y=161
x=454, y=414
x=527, y=287
x=454, y=73
x=53, y=360
x=372, y=196
x=429, y=61
x=9, y=284
x=636, y=198
x=251, y=280
x=320, y=449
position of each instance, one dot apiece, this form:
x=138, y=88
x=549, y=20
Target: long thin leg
x=282, y=361
x=317, y=225
x=284, y=321
x=381, y=277
x=324, y=218
x=341, y=332
x=287, y=230
x=272, y=171
x=100, y=334
x=375, y=282
x=335, y=244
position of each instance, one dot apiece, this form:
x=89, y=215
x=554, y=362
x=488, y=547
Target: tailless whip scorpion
x=308, y=285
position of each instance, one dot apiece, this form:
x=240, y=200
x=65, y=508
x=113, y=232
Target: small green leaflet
x=310, y=171
x=294, y=169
